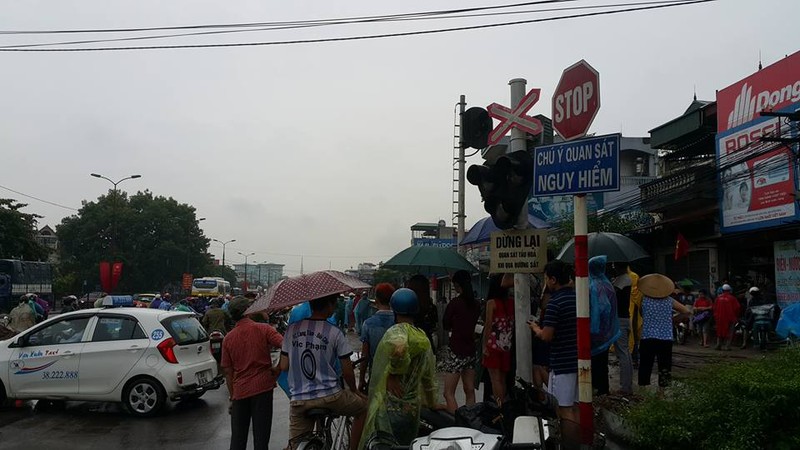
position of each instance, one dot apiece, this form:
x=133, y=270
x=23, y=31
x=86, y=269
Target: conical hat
x=656, y=285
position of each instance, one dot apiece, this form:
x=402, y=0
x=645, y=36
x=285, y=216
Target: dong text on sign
x=577, y=167
x=576, y=100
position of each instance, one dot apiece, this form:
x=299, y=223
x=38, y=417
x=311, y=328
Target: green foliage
x=156, y=238
x=18, y=232
x=745, y=405
x=387, y=276
x=614, y=222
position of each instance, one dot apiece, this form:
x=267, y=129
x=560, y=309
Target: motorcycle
x=762, y=320
x=216, y=338
x=527, y=421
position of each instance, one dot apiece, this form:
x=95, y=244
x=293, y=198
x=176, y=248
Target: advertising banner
x=423, y=242
x=518, y=251
x=787, y=272
x=757, y=178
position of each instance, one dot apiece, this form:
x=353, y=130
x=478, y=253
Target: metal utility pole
x=223, y=248
x=246, y=255
x=462, y=106
x=522, y=291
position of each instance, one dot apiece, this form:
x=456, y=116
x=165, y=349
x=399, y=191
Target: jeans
x=624, y=356
x=257, y=409
x=649, y=350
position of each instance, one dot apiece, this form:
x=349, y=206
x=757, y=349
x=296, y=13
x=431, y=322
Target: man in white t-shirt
x=310, y=350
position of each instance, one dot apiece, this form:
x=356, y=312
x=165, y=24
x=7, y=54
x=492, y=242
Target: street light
x=223, y=248
x=246, y=255
x=114, y=209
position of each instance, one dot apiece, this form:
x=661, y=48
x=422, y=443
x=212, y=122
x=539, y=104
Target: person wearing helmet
x=726, y=313
x=404, y=370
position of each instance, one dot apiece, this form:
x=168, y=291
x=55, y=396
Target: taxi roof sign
x=110, y=301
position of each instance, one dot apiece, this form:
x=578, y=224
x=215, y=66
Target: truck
x=23, y=277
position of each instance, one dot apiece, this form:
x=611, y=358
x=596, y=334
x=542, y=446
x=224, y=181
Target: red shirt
x=246, y=350
x=702, y=302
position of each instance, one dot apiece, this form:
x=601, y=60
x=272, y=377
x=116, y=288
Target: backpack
x=502, y=329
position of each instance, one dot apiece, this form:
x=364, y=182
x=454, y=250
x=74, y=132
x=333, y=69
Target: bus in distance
x=210, y=287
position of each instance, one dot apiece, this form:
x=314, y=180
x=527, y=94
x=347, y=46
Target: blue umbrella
x=482, y=230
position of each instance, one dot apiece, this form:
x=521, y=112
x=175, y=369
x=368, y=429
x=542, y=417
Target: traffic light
x=504, y=186
x=476, y=126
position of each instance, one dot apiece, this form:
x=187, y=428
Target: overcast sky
x=330, y=150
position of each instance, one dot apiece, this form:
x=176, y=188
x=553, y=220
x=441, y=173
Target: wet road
x=197, y=424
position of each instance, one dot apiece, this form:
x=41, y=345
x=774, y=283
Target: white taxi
x=140, y=357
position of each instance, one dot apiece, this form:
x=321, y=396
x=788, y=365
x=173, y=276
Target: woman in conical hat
x=657, y=311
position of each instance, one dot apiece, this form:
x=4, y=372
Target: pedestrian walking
x=362, y=311
x=404, y=381
x=604, y=321
x=428, y=318
x=250, y=376
x=560, y=329
x=702, y=311
x=373, y=330
x=656, y=344
x=623, y=285
x=726, y=313
x=349, y=319
x=458, y=362
x=498, y=334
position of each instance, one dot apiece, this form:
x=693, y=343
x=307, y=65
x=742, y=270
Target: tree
x=615, y=222
x=387, y=276
x=18, y=232
x=156, y=238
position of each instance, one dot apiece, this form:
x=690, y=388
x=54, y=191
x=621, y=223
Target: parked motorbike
x=762, y=320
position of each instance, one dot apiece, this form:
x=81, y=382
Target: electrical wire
x=356, y=38
x=38, y=199
x=322, y=23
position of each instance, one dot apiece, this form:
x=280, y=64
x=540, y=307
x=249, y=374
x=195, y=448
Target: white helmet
x=754, y=289
x=726, y=287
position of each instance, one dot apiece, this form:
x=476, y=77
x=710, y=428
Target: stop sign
x=576, y=100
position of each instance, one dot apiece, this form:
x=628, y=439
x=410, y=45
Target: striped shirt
x=246, y=350
x=313, y=348
x=561, y=315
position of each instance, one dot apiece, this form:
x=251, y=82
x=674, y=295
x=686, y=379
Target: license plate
x=202, y=377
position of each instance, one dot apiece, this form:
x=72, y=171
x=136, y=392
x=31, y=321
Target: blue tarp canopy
x=482, y=230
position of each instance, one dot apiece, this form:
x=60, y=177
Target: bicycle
x=331, y=431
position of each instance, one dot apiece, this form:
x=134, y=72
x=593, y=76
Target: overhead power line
x=20, y=48
x=38, y=199
x=278, y=26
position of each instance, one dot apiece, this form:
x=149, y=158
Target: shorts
x=564, y=387
x=342, y=403
x=449, y=362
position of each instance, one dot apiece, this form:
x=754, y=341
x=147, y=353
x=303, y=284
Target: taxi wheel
x=143, y=397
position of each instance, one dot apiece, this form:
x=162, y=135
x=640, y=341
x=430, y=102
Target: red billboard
x=758, y=178
x=770, y=89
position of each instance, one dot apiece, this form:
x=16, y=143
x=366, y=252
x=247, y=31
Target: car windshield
x=185, y=329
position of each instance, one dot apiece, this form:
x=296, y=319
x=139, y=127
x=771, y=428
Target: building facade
x=259, y=274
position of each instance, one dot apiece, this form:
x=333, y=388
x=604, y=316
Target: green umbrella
x=429, y=261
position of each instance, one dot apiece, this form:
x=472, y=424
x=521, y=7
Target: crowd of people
x=631, y=317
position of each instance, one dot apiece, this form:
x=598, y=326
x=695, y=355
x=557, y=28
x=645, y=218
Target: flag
x=681, y=247
x=105, y=276
x=116, y=274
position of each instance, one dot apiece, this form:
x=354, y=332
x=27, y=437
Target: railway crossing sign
x=515, y=118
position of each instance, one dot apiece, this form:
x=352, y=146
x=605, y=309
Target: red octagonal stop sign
x=576, y=100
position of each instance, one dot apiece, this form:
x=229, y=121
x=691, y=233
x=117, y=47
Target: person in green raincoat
x=404, y=371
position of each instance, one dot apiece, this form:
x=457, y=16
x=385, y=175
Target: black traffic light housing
x=476, y=126
x=504, y=186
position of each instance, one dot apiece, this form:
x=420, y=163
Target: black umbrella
x=616, y=247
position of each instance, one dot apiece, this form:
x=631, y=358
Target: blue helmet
x=404, y=301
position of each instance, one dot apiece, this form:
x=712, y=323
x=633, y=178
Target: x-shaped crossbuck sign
x=516, y=118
